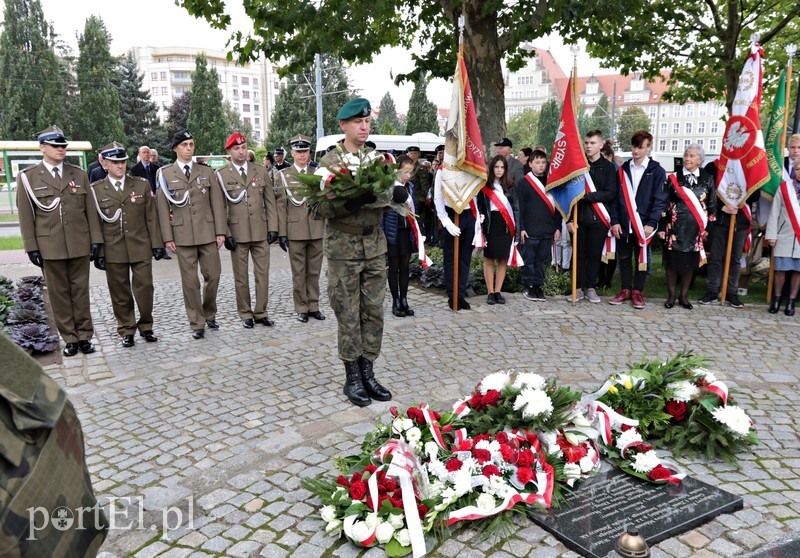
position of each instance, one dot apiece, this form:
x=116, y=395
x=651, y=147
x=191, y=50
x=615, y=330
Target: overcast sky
x=161, y=23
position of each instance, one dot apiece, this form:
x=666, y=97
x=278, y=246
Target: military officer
x=304, y=234
x=61, y=233
x=191, y=213
x=280, y=163
x=131, y=238
x=355, y=247
x=252, y=224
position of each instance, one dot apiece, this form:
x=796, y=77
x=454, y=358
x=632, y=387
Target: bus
x=426, y=142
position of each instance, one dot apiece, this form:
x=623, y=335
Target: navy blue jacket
x=391, y=219
x=652, y=197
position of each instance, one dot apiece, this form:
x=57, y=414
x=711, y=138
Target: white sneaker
x=591, y=296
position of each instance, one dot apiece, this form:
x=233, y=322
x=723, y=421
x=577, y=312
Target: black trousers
x=718, y=246
x=591, y=236
x=466, y=222
x=628, y=256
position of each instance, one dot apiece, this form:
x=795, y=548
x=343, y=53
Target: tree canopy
x=631, y=121
x=549, y=118
x=206, y=119
x=139, y=113
x=388, y=122
x=523, y=129
x=423, y=116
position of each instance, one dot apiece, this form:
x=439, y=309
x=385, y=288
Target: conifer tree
x=422, y=114
x=206, y=119
x=549, y=117
x=388, y=121
x=139, y=113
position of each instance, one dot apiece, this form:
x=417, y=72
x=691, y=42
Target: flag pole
x=574, y=49
x=457, y=215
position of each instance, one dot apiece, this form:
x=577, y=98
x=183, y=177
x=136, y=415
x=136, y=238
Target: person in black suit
x=96, y=170
x=144, y=168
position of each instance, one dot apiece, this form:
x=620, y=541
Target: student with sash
x=539, y=226
x=783, y=235
x=641, y=202
x=692, y=204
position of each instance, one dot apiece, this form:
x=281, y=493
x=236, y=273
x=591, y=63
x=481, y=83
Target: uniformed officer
x=304, y=234
x=191, y=213
x=61, y=233
x=355, y=247
x=280, y=162
x=252, y=224
x=131, y=238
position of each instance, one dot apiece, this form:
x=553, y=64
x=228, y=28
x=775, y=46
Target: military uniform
x=58, y=221
x=131, y=235
x=191, y=213
x=305, y=242
x=252, y=213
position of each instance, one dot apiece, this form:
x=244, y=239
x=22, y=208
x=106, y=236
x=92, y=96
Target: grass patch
x=11, y=243
x=12, y=218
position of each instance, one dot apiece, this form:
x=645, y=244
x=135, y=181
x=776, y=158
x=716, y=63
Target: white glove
x=452, y=229
x=482, y=218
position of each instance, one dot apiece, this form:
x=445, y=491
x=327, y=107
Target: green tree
x=523, y=129
x=601, y=117
x=690, y=38
x=631, y=121
x=97, y=116
x=423, y=116
x=234, y=123
x=295, y=109
x=584, y=120
x=67, y=71
x=206, y=119
x=139, y=113
x=178, y=114
x=549, y=118
x=30, y=84
x=388, y=122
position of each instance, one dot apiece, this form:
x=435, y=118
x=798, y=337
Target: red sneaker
x=622, y=296
x=637, y=299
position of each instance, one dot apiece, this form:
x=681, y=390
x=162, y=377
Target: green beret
x=358, y=107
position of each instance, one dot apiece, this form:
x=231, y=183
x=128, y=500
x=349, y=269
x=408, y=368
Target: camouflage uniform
x=355, y=246
x=43, y=467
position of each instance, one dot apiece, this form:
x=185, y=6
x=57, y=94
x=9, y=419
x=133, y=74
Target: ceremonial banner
x=773, y=141
x=743, y=164
x=464, y=169
x=568, y=166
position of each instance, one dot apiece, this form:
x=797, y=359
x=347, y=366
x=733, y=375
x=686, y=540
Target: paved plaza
x=224, y=429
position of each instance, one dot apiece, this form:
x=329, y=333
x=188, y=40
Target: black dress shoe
x=670, y=303
x=317, y=315
x=198, y=334
x=397, y=308
x=167, y=256
x=463, y=304
x=127, y=341
x=789, y=307
x=149, y=336
x=775, y=305
x=70, y=349
x=686, y=304
x=302, y=317
x=248, y=323
x=212, y=324
x=265, y=321
x=86, y=347
x=499, y=298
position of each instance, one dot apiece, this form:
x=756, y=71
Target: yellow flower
x=612, y=389
x=628, y=384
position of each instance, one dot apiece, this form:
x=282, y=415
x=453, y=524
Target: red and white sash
x=697, y=211
x=478, y=241
x=504, y=207
x=749, y=215
x=539, y=188
x=610, y=245
x=636, y=220
x=420, y=240
x=792, y=205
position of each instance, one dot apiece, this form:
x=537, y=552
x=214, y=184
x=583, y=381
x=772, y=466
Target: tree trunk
x=482, y=56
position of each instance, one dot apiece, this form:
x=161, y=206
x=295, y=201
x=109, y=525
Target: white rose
x=328, y=514
x=397, y=425
x=403, y=537
x=485, y=502
x=396, y=520
x=361, y=531
x=384, y=532
x=333, y=526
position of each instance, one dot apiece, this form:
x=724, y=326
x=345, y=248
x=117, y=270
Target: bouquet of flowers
x=352, y=175
x=575, y=444
x=631, y=454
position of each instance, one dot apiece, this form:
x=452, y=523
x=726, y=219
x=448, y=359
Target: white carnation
x=396, y=520
x=587, y=462
x=572, y=471
x=533, y=403
x=384, y=532
x=494, y=381
x=493, y=446
x=683, y=391
x=645, y=462
x=734, y=418
x=630, y=436
x=705, y=374
x=485, y=502
x=328, y=513
x=534, y=381
x=413, y=435
x=403, y=537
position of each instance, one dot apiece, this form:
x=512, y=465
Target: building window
x=256, y=108
x=674, y=146
x=153, y=76
x=663, y=128
x=712, y=145
x=235, y=93
x=676, y=111
x=701, y=127
x=687, y=143
x=652, y=113
x=256, y=96
x=702, y=110
x=235, y=80
x=181, y=59
x=690, y=110
x=236, y=107
x=245, y=107
x=662, y=145
x=163, y=76
x=676, y=128
x=164, y=91
x=245, y=80
x=688, y=127
x=257, y=122
x=715, y=127
x=592, y=87
x=716, y=110
x=700, y=142
x=247, y=120
x=637, y=85
x=245, y=94
x=180, y=75
x=255, y=82
x=155, y=91
x=664, y=111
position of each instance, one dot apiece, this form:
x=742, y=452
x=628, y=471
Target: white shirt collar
x=181, y=165
x=243, y=167
x=645, y=162
x=50, y=167
x=301, y=169
x=114, y=181
x=696, y=172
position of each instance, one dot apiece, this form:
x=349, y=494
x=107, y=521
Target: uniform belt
x=363, y=231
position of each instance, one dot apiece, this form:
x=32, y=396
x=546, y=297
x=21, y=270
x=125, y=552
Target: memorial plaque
x=598, y=512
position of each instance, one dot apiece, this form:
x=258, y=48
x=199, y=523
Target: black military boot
x=406, y=309
x=397, y=308
x=353, y=386
x=374, y=389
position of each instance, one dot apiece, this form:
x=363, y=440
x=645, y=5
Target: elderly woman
x=782, y=236
x=692, y=204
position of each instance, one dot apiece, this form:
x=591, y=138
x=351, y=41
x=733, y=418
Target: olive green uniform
x=57, y=219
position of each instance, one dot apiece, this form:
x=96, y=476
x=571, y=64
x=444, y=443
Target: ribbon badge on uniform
x=74, y=186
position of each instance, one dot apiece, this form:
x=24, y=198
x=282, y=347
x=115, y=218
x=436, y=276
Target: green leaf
x=395, y=549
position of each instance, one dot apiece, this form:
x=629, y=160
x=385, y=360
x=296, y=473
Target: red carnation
x=453, y=464
x=501, y=437
x=526, y=458
x=416, y=415
x=342, y=480
x=480, y=438
x=422, y=509
x=465, y=445
x=436, y=416
x=491, y=398
x=481, y=455
x=491, y=471
x=524, y=475
x=677, y=409
x=659, y=473
x=397, y=502
x=508, y=453
x=358, y=490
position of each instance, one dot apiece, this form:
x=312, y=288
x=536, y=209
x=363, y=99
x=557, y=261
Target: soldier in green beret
x=355, y=247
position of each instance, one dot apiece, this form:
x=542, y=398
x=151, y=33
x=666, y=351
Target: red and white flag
x=742, y=166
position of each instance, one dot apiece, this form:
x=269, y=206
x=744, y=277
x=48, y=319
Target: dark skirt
x=681, y=262
x=403, y=245
x=498, y=239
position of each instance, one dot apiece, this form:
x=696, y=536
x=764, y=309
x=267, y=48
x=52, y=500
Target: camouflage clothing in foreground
x=43, y=474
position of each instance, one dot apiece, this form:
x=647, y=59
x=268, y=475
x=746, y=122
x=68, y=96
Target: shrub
x=6, y=287
x=5, y=307
x=34, y=338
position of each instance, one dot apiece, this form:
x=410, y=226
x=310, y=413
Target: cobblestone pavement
x=224, y=429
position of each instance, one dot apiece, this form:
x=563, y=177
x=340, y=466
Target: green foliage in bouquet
x=352, y=175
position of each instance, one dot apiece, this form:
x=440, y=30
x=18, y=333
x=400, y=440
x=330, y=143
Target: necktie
x=244, y=174
x=118, y=185
x=302, y=171
x=186, y=171
x=55, y=173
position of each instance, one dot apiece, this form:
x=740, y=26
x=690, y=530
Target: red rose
x=491, y=398
x=480, y=438
x=397, y=502
x=342, y=481
x=659, y=473
x=475, y=402
x=422, y=509
x=356, y=477
x=501, y=437
x=508, y=453
x=416, y=415
x=393, y=410
x=491, y=471
x=524, y=475
x=525, y=458
x=453, y=464
x=370, y=469
x=481, y=455
x=677, y=409
x=389, y=483
x=436, y=416
x=358, y=490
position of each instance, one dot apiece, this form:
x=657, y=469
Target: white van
x=426, y=142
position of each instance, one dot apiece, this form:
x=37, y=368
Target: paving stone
x=217, y=544
x=244, y=549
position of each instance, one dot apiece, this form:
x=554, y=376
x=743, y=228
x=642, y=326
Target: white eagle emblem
x=736, y=137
